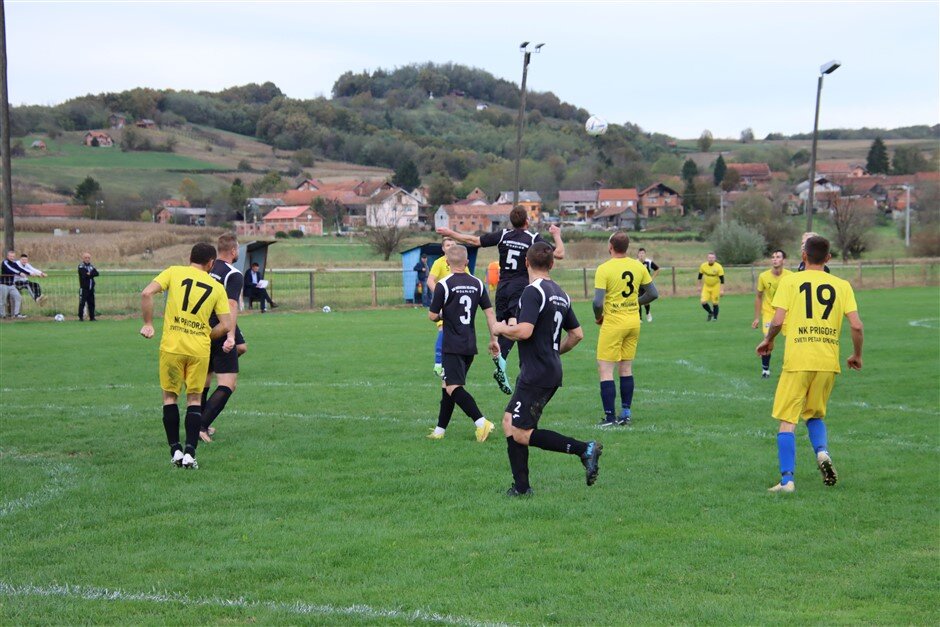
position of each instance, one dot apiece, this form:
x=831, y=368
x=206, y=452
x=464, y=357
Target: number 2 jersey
x=816, y=303
x=191, y=297
x=546, y=306
x=456, y=298
x=621, y=279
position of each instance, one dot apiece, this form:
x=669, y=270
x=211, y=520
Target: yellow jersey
x=816, y=303
x=621, y=278
x=191, y=297
x=711, y=274
x=767, y=284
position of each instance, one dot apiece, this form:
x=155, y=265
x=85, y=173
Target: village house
x=752, y=173
x=531, y=201
x=577, y=204
x=660, y=199
x=38, y=145
x=393, y=207
x=825, y=193
x=51, y=210
x=117, y=120
x=145, y=123
x=473, y=218
x=298, y=218
x=832, y=168
x=617, y=208
x=309, y=185
x=97, y=139
x=192, y=216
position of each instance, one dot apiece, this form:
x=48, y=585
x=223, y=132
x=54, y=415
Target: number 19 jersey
x=191, y=297
x=621, y=278
x=816, y=303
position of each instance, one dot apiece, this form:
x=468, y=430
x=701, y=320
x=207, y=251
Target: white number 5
x=512, y=259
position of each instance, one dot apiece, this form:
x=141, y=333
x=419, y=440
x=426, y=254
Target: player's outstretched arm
x=855, y=323
x=555, y=232
x=473, y=240
x=572, y=338
x=146, y=308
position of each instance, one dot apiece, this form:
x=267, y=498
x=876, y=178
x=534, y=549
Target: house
x=38, y=145
x=482, y=106
x=617, y=207
x=825, y=193
x=117, y=120
x=365, y=203
x=192, y=216
x=145, y=123
x=660, y=199
x=393, y=207
x=477, y=194
x=577, y=204
x=97, y=138
x=309, y=185
x=255, y=208
x=297, y=218
x=752, y=173
x=531, y=201
x=50, y=210
x=475, y=218
x=833, y=168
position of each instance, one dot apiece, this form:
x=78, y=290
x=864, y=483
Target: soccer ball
x=59, y=318
x=326, y=309
x=595, y=125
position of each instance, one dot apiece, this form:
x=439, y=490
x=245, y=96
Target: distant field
x=321, y=501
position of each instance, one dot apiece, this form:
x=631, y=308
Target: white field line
x=59, y=478
x=927, y=323
x=297, y=608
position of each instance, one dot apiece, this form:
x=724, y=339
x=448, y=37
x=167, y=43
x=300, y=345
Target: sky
x=671, y=67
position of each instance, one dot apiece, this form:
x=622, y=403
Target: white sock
x=479, y=422
x=438, y=431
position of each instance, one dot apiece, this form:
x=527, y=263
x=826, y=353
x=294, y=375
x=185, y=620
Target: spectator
x=10, y=273
x=86, y=287
x=8, y=295
x=492, y=275
x=256, y=288
x=31, y=286
x=421, y=286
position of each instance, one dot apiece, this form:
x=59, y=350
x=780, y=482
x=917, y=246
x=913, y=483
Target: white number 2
x=511, y=259
x=557, y=335
x=467, y=304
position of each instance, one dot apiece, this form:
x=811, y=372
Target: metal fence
x=118, y=291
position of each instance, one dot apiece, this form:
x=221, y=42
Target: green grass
x=321, y=492
x=67, y=153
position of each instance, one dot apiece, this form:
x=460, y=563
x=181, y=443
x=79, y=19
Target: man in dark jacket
x=86, y=287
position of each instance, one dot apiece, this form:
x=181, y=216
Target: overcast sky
x=675, y=68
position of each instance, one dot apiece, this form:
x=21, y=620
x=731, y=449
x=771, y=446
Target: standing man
x=714, y=276
x=813, y=304
x=455, y=302
x=513, y=244
x=32, y=287
x=225, y=351
x=254, y=291
x=439, y=270
x=10, y=273
x=544, y=310
x=421, y=287
x=767, y=284
x=803, y=239
x=653, y=269
x=192, y=296
x=617, y=285
x=86, y=287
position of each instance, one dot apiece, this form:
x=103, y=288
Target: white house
x=393, y=207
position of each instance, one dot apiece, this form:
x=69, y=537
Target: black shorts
x=456, y=368
x=527, y=403
x=507, y=301
x=221, y=362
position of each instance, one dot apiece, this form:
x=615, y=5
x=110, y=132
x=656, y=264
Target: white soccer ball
x=326, y=309
x=59, y=318
x=595, y=125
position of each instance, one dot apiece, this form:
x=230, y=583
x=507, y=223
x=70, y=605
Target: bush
x=926, y=243
x=295, y=233
x=280, y=235
x=244, y=166
x=737, y=244
x=304, y=157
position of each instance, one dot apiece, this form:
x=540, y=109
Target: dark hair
x=23, y=255
x=817, y=248
x=541, y=256
x=227, y=241
x=781, y=251
x=518, y=217
x=641, y=250
x=202, y=253
x=620, y=242
x=255, y=263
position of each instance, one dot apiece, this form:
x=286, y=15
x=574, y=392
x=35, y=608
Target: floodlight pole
x=907, y=217
x=827, y=68
x=526, y=57
x=7, y=178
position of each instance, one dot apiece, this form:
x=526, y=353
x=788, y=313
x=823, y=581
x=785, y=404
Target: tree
x=669, y=165
x=736, y=243
x=800, y=157
x=908, y=160
x=385, y=240
x=877, y=157
x=720, y=169
x=88, y=191
x=689, y=171
x=440, y=191
x=747, y=135
x=852, y=222
x=190, y=190
x=332, y=211
x=705, y=140
x=731, y=180
x=406, y=175
x=754, y=210
x=237, y=196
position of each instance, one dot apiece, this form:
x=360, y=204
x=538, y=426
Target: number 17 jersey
x=621, y=278
x=191, y=297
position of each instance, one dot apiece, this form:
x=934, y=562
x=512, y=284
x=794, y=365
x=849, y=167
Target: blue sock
x=626, y=392
x=765, y=361
x=608, y=398
x=439, y=347
x=786, y=452
x=816, y=429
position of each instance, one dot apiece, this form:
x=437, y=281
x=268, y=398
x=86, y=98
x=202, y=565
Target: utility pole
x=7, y=181
x=907, y=217
x=526, y=57
x=825, y=68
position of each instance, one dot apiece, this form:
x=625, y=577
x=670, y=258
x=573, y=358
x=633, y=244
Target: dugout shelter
x=251, y=252
x=411, y=257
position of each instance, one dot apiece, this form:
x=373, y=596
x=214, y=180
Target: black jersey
x=456, y=298
x=513, y=244
x=546, y=306
x=650, y=265
x=229, y=276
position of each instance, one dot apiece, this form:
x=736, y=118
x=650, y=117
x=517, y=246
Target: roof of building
x=98, y=134
x=186, y=211
x=455, y=210
x=659, y=185
x=750, y=169
x=577, y=195
x=49, y=210
x=626, y=193
x=838, y=166
x=524, y=196
x=289, y=213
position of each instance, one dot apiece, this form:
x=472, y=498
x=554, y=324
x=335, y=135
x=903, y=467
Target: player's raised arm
x=855, y=324
x=146, y=307
x=473, y=240
x=555, y=232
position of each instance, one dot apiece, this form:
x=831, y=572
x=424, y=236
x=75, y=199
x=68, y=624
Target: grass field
x=322, y=502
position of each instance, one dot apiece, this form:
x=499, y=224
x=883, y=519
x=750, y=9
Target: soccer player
x=544, y=310
x=813, y=304
x=455, y=301
x=224, y=352
x=803, y=239
x=192, y=296
x=767, y=284
x=714, y=278
x=653, y=269
x=617, y=284
x=512, y=245
x=439, y=270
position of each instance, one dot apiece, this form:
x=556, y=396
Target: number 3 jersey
x=816, y=303
x=191, y=297
x=621, y=279
x=548, y=308
x=456, y=298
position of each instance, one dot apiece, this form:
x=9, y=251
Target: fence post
x=859, y=272
x=892, y=273
x=311, y=290
x=375, y=294
x=584, y=280
x=925, y=274
x=673, y=280
x=753, y=280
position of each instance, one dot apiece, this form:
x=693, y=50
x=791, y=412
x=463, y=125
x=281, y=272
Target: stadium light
x=526, y=57
x=825, y=68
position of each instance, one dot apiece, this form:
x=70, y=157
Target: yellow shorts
x=802, y=395
x=177, y=370
x=617, y=343
x=711, y=294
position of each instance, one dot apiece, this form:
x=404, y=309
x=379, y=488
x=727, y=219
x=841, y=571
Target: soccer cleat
x=19, y=316
x=785, y=488
x=205, y=437
x=435, y=436
x=177, y=459
x=590, y=459
x=624, y=419
x=765, y=374
x=500, y=375
x=649, y=317
x=484, y=432
x=189, y=462
x=709, y=318
x=826, y=468
x=439, y=370
x=41, y=299
x=512, y=491
x=607, y=422
x=210, y=430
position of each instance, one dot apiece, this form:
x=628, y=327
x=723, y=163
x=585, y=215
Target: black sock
x=518, y=463
x=466, y=403
x=707, y=308
x=193, y=422
x=765, y=361
x=505, y=346
x=171, y=424
x=214, y=406
x=205, y=397
x=552, y=441
x=447, y=409
x=647, y=309
x=716, y=311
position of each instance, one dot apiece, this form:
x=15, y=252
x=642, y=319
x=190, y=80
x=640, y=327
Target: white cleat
x=189, y=462
x=649, y=317
x=785, y=488
x=177, y=459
